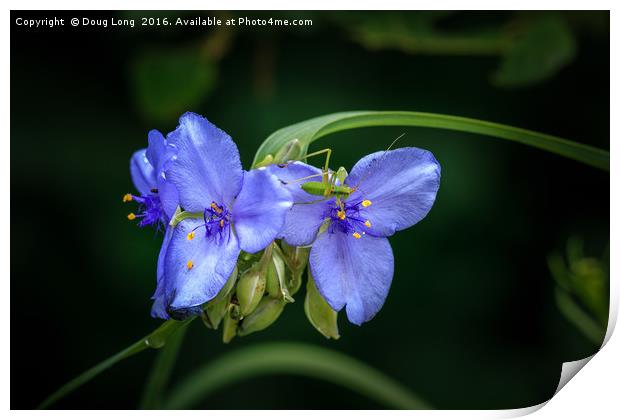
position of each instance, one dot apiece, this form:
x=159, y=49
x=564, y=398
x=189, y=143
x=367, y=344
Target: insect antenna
x=376, y=161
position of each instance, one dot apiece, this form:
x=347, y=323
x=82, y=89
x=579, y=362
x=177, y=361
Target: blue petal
x=259, y=211
x=305, y=217
x=207, y=167
x=293, y=175
x=157, y=153
x=213, y=260
x=169, y=198
x=401, y=184
x=352, y=272
x=142, y=172
x=160, y=302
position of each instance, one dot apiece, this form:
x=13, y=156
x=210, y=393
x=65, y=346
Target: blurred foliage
x=543, y=49
x=582, y=291
x=169, y=81
x=531, y=49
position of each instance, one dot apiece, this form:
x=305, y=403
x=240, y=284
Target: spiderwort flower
x=240, y=211
x=158, y=199
x=351, y=258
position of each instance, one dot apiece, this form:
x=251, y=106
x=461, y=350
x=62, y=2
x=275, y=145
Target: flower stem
x=295, y=359
x=160, y=373
x=156, y=339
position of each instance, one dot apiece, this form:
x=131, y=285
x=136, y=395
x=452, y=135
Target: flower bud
x=214, y=312
x=290, y=151
x=229, y=327
x=216, y=308
x=276, y=278
x=319, y=313
x=297, y=259
x=341, y=175
x=250, y=290
x=251, y=285
x=266, y=313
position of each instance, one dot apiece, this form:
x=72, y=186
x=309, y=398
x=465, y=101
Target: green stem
x=156, y=339
x=296, y=359
x=160, y=373
x=310, y=130
x=179, y=216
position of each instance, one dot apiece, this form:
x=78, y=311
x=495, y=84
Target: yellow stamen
x=222, y=223
x=190, y=264
x=215, y=207
x=127, y=197
x=356, y=235
x=367, y=223
x=191, y=235
x=341, y=215
x=366, y=203
x=131, y=216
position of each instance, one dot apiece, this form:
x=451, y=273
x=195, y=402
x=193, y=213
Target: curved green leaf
x=295, y=359
x=310, y=130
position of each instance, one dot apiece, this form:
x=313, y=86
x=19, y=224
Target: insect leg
x=328, y=152
x=304, y=178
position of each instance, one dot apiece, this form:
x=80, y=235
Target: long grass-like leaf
x=310, y=130
x=293, y=359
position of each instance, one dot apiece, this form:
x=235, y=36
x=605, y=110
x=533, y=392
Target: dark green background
x=470, y=321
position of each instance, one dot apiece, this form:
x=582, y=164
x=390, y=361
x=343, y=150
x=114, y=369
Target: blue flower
x=351, y=259
x=240, y=211
x=158, y=199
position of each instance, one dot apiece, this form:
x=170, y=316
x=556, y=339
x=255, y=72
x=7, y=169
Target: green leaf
x=540, y=52
x=167, y=82
x=310, y=130
x=293, y=359
x=319, y=313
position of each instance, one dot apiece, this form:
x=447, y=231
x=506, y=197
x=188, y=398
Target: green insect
x=333, y=183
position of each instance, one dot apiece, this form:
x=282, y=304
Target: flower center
x=346, y=218
x=216, y=222
x=150, y=210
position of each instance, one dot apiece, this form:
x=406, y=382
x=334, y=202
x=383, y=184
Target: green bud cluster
x=261, y=286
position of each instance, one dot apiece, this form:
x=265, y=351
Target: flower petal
x=169, y=198
x=260, y=209
x=353, y=272
x=401, y=184
x=195, y=270
x=142, y=172
x=305, y=217
x=157, y=153
x=207, y=167
x=160, y=303
x=293, y=175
